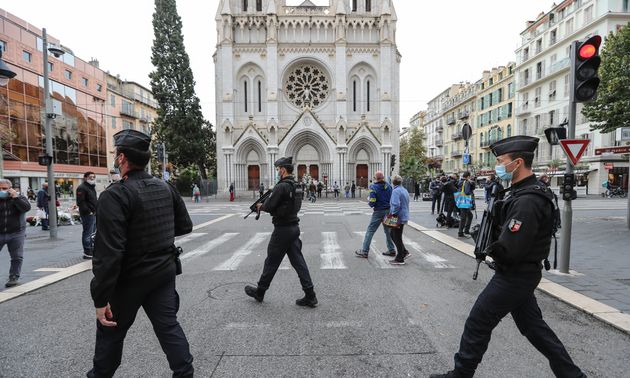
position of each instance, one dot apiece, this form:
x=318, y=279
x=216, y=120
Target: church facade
x=318, y=83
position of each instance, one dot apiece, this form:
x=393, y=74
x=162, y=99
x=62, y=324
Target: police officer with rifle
x=284, y=203
x=135, y=259
x=520, y=237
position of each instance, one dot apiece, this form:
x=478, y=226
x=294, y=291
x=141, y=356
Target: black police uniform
x=522, y=241
x=134, y=265
x=284, y=205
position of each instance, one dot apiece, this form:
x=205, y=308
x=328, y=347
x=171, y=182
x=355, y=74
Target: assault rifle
x=482, y=233
x=254, y=206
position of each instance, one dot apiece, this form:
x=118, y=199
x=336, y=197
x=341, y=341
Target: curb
x=599, y=310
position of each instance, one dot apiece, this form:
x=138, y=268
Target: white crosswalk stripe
x=190, y=237
x=237, y=258
x=376, y=256
x=435, y=260
x=332, y=258
x=208, y=246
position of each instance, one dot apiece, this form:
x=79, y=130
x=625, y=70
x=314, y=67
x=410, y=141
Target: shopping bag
x=391, y=221
x=463, y=200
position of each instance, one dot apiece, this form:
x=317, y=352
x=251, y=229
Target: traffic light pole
x=52, y=204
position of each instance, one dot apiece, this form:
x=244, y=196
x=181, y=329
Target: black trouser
x=352, y=192
x=465, y=220
x=511, y=293
x=160, y=303
x=436, y=198
x=449, y=206
x=397, y=237
x=285, y=240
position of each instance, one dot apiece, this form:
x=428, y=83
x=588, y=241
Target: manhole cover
x=229, y=291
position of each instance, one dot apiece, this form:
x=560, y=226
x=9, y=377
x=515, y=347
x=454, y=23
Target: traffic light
x=585, y=63
x=568, y=193
x=45, y=160
x=393, y=161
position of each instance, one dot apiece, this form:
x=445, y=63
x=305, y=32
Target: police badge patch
x=515, y=225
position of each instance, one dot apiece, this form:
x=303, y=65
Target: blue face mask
x=502, y=172
x=278, y=177
x=4, y=194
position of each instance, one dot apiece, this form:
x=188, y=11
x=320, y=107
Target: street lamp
x=50, y=115
x=5, y=75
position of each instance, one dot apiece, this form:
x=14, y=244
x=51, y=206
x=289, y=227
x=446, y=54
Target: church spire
x=271, y=8
x=225, y=7
x=340, y=7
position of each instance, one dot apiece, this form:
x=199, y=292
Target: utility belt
x=525, y=267
x=175, y=251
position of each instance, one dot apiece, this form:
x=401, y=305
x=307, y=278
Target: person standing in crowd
x=284, y=206
x=448, y=188
x=86, y=201
x=526, y=224
x=311, y=191
x=13, y=209
x=42, y=204
x=135, y=259
x=196, y=193
x=416, y=191
x=399, y=207
x=336, y=190
x=545, y=179
x=353, y=189
x=347, y=190
x=436, y=194
x=466, y=187
x=232, y=192
x=379, y=196
x=320, y=187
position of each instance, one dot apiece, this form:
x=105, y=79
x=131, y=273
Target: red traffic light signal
x=585, y=62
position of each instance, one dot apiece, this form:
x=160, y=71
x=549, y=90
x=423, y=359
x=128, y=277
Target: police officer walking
x=521, y=243
x=283, y=204
x=135, y=260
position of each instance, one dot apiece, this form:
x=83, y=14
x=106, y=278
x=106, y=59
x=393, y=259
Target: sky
x=441, y=42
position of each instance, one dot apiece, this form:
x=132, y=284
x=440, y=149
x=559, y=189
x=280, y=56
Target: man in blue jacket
x=380, y=194
x=465, y=210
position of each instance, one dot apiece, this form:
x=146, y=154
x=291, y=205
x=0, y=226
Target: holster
x=178, y=263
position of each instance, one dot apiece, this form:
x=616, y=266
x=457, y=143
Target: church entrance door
x=301, y=171
x=362, y=175
x=253, y=177
x=314, y=171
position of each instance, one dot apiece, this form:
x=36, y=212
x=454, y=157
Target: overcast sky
x=442, y=42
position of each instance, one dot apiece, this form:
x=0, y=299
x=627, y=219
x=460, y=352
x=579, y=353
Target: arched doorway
x=307, y=160
x=362, y=171
x=253, y=171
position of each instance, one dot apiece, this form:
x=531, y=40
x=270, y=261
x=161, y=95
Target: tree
x=611, y=109
x=180, y=123
x=413, y=160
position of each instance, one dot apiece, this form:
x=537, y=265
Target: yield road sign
x=574, y=148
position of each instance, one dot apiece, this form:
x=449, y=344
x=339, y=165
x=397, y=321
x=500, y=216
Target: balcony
x=145, y=119
x=439, y=129
x=463, y=114
x=450, y=120
x=438, y=157
x=523, y=110
x=456, y=153
x=457, y=136
x=129, y=112
x=487, y=143
x=439, y=142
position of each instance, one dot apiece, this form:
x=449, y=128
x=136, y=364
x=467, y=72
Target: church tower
x=318, y=83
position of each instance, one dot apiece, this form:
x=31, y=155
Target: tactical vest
x=152, y=222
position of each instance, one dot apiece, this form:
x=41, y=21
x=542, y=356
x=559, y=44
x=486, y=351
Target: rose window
x=307, y=85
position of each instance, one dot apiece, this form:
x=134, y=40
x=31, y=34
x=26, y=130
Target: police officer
x=283, y=204
x=135, y=260
x=521, y=243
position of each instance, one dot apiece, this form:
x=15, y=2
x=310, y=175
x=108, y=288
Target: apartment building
x=459, y=108
x=542, y=84
x=434, y=127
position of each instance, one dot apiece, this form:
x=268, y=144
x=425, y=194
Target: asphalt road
x=374, y=320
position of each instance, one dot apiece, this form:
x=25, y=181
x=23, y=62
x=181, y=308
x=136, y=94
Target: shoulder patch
x=515, y=225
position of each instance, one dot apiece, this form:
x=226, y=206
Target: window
x=538, y=94
x=259, y=96
x=588, y=15
x=552, y=89
x=552, y=116
x=50, y=67
x=127, y=124
x=553, y=37
x=525, y=53
x=526, y=77
x=27, y=56
x=244, y=5
x=113, y=122
x=354, y=96
x=624, y=7
x=553, y=59
x=539, y=46
x=368, y=5
x=3, y=46
x=525, y=100
x=511, y=90
x=354, y=5
x=67, y=74
x=245, y=87
x=568, y=27
x=539, y=70
x=524, y=126
x=112, y=100
x=84, y=81
x=99, y=87
x=491, y=81
x=509, y=131
x=566, y=85
x=536, y=124
x=258, y=5
x=368, y=95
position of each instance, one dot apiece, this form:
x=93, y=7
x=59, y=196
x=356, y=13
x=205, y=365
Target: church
x=318, y=83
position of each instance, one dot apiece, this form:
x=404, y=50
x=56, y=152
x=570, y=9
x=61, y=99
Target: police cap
x=132, y=139
x=518, y=143
x=284, y=162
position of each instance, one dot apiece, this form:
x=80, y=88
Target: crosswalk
x=333, y=252
x=323, y=209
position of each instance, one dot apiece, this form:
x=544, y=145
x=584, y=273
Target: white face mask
x=91, y=182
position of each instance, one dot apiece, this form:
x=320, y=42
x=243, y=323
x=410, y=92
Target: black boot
x=450, y=374
x=255, y=292
x=309, y=299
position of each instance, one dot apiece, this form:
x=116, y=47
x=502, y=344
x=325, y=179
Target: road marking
x=208, y=246
x=332, y=257
x=237, y=258
x=44, y=281
x=376, y=255
x=435, y=260
x=212, y=222
x=49, y=270
x=189, y=237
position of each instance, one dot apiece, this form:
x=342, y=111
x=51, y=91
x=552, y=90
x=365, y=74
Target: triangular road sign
x=574, y=148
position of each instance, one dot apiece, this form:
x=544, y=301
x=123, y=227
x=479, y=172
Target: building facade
x=318, y=83
x=434, y=129
x=459, y=109
x=77, y=89
x=542, y=77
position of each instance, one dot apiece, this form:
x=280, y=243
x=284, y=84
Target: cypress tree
x=180, y=123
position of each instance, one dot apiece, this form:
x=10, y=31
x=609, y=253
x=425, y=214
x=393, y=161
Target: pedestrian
x=261, y=189
x=545, y=179
x=465, y=204
x=232, y=192
x=526, y=223
x=448, y=190
x=13, y=208
x=353, y=189
x=86, y=201
x=347, y=190
x=399, y=207
x=320, y=187
x=283, y=205
x=336, y=190
x=311, y=190
x=379, y=196
x=416, y=191
x=436, y=194
x=31, y=194
x=43, y=200
x=135, y=260
x=196, y=193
